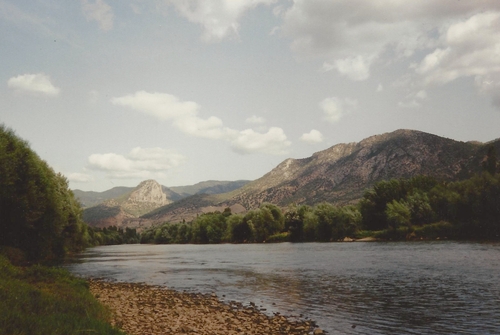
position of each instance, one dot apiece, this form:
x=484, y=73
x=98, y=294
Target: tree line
x=40, y=216
x=421, y=207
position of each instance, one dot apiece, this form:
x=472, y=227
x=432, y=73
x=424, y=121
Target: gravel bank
x=143, y=309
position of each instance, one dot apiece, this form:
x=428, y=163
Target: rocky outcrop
x=119, y=212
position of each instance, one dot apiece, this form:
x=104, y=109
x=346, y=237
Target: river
x=370, y=288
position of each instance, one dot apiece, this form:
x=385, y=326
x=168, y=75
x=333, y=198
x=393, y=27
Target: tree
x=398, y=214
x=294, y=221
x=38, y=212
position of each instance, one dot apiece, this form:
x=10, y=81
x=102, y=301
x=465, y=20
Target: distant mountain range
x=339, y=174
x=121, y=205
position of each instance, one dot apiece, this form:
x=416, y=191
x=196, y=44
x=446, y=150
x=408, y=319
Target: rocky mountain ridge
x=339, y=174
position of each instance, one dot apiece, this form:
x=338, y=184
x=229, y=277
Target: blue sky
x=110, y=93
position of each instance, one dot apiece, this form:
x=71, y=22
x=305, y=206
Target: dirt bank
x=143, y=309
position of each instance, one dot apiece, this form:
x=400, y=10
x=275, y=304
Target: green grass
x=47, y=300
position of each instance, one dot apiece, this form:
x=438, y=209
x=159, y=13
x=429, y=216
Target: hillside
x=122, y=206
x=341, y=173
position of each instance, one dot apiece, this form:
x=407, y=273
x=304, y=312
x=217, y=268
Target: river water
x=347, y=288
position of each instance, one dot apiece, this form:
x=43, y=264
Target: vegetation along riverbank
x=41, y=223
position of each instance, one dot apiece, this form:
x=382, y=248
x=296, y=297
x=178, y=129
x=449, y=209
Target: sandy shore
x=143, y=309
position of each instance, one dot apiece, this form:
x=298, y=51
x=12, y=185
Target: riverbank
x=145, y=309
x=40, y=300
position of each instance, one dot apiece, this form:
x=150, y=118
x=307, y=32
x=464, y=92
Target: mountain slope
x=91, y=198
x=130, y=203
x=342, y=173
x=144, y=198
x=209, y=187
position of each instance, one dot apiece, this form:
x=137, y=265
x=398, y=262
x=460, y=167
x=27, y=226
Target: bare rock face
x=147, y=196
x=149, y=191
x=340, y=174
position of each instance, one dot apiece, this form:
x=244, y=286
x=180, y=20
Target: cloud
x=273, y=142
x=98, y=11
x=334, y=108
x=313, y=137
x=352, y=35
x=160, y=105
x=413, y=100
x=219, y=18
x=80, y=177
x=254, y=119
x=139, y=162
x=468, y=48
x=356, y=68
x=184, y=116
x=34, y=83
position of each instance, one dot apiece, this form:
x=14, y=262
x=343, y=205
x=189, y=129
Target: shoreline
x=139, y=308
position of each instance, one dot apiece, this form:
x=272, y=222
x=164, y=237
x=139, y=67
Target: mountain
x=341, y=174
x=124, y=205
x=91, y=198
x=209, y=187
x=144, y=198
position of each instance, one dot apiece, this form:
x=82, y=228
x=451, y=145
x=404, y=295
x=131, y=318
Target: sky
x=113, y=92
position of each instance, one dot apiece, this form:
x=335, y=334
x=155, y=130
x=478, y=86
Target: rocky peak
x=148, y=191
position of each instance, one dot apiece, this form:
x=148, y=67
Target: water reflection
x=380, y=288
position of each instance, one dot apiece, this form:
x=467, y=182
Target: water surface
x=347, y=288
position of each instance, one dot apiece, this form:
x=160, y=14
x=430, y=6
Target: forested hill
x=341, y=174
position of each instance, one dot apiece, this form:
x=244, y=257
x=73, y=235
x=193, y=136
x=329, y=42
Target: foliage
x=416, y=208
x=113, y=235
x=38, y=212
x=41, y=300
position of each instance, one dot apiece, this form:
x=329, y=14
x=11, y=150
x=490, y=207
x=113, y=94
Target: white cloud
x=219, y=18
x=313, y=137
x=274, y=142
x=254, y=119
x=98, y=11
x=139, y=162
x=380, y=88
x=34, y=83
x=160, y=105
x=352, y=35
x=413, y=100
x=469, y=47
x=80, y=177
x=334, y=108
x=355, y=68
x=184, y=116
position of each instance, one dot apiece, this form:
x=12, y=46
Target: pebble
x=145, y=309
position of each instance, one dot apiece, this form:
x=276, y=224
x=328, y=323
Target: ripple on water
x=379, y=288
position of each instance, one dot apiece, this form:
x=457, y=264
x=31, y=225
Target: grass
x=38, y=300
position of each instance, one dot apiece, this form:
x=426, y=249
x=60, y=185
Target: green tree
x=398, y=214
x=239, y=230
x=38, y=212
x=294, y=221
